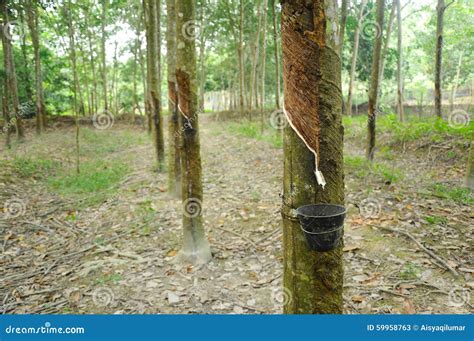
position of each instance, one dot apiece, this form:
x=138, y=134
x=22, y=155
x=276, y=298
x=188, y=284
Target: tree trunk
x=241, y=59
x=313, y=281
x=354, y=58
x=94, y=97
x=387, y=39
x=470, y=166
x=264, y=58
x=401, y=113
x=256, y=45
x=277, y=58
x=454, y=87
x=195, y=248
x=174, y=160
x=154, y=54
x=5, y=108
x=72, y=56
x=438, y=58
x=202, y=56
x=104, y=65
x=374, y=83
x=10, y=75
x=33, y=23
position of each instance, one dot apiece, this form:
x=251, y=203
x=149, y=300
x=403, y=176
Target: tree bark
x=355, y=50
x=454, y=87
x=241, y=59
x=277, y=57
x=104, y=64
x=154, y=55
x=264, y=58
x=256, y=46
x=195, y=247
x=401, y=113
x=10, y=75
x=375, y=83
x=313, y=281
x=33, y=23
x=174, y=160
x=441, y=7
x=470, y=166
x=72, y=56
x=387, y=39
x=94, y=97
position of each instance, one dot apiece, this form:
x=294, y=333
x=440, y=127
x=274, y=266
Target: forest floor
x=103, y=241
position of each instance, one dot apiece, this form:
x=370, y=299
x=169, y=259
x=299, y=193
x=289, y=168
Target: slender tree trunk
x=113, y=97
x=94, y=96
x=375, y=83
x=401, y=113
x=387, y=39
x=470, y=166
x=255, y=49
x=104, y=64
x=264, y=58
x=342, y=30
x=355, y=51
x=33, y=23
x=174, y=160
x=196, y=247
x=10, y=74
x=277, y=58
x=241, y=59
x=149, y=66
x=438, y=57
x=202, y=56
x=313, y=281
x=454, y=87
x=153, y=10
x=5, y=108
x=26, y=65
x=72, y=56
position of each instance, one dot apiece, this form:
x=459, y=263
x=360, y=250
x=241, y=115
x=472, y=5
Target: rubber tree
x=255, y=53
x=33, y=24
x=174, y=161
x=375, y=82
x=401, y=113
x=277, y=57
x=104, y=54
x=355, y=50
x=470, y=165
x=195, y=248
x=10, y=73
x=313, y=104
x=241, y=59
x=153, y=36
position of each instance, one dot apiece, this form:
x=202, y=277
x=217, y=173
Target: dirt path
x=111, y=251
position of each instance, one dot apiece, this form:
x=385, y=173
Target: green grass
x=362, y=168
x=436, y=220
x=461, y=195
x=28, y=167
x=414, y=128
x=94, y=176
x=410, y=271
x=253, y=130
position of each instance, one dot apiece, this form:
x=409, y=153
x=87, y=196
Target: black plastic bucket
x=322, y=225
